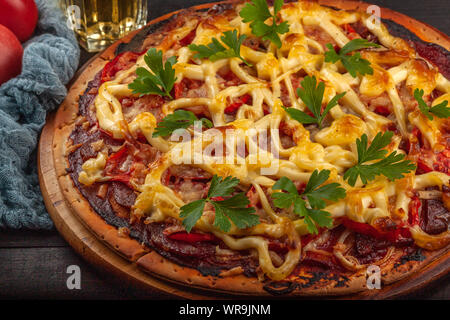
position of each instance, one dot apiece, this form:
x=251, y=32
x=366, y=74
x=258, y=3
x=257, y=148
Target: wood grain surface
x=33, y=264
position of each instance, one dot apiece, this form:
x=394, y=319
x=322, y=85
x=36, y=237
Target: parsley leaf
x=312, y=96
x=216, y=51
x=191, y=213
x=234, y=209
x=353, y=63
x=441, y=110
x=393, y=166
x=180, y=119
x=311, y=201
x=161, y=81
x=222, y=187
x=257, y=12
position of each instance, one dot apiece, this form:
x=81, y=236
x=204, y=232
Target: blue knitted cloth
x=50, y=60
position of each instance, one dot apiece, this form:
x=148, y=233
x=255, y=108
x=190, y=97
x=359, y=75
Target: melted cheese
x=93, y=169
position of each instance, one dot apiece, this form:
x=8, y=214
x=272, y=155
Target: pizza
x=265, y=148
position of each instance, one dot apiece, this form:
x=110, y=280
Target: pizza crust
x=151, y=262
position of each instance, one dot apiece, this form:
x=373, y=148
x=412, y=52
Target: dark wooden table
x=33, y=264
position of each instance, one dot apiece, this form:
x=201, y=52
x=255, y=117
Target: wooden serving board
x=96, y=252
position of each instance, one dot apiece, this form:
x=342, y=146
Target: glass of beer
x=98, y=23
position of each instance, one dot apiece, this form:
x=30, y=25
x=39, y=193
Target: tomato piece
x=427, y=159
x=124, y=178
x=442, y=163
x=414, y=207
x=178, y=89
x=120, y=62
x=19, y=16
x=237, y=103
x=422, y=167
x=253, y=197
x=393, y=236
x=383, y=111
x=192, y=237
x=232, y=108
x=266, y=109
x=115, y=158
x=11, y=55
x=113, y=163
x=348, y=28
x=187, y=40
x=231, y=79
x=351, y=33
x=359, y=227
x=418, y=136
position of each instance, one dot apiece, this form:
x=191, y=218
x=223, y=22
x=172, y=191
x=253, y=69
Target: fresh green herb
x=234, y=209
x=311, y=201
x=257, y=12
x=161, y=81
x=216, y=51
x=353, y=63
x=441, y=110
x=312, y=95
x=180, y=119
x=392, y=166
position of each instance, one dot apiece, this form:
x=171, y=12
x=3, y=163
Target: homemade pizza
x=263, y=147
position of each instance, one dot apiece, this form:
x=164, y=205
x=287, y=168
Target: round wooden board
x=96, y=252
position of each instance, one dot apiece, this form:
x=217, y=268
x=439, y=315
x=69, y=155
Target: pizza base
x=394, y=269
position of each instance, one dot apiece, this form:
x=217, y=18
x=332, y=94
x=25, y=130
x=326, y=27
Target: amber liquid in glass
x=98, y=23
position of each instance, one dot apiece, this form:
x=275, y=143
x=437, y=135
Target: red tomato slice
x=124, y=178
x=349, y=28
x=115, y=159
x=364, y=228
x=189, y=38
x=112, y=166
x=237, y=103
x=121, y=62
x=382, y=110
x=192, y=237
x=351, y=33
x=414, y=207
